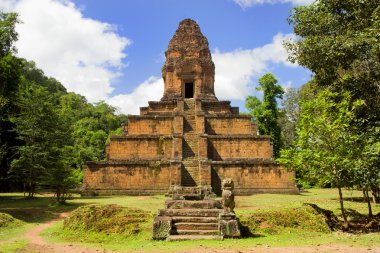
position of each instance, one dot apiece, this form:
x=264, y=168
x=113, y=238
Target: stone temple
x=189, y=138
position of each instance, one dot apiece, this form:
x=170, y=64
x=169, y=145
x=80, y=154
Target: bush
x=110, y=219
x=7, y=220
x=272, y=222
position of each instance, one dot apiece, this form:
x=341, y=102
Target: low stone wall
x=238, y=147
x=253, y=177
x=153, y=177
x=140, y=147
x=231, y=124
x=150, y=125
x=212, y=107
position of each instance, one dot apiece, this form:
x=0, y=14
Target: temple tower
x=188, y=71
x=189, y=138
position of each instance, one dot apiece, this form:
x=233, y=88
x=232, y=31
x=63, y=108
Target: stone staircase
x=193, y=219
x=193, y=213
x=190, y=163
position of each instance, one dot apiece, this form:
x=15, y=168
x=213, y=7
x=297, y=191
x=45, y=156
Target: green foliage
x=288, y=116
x=107, y=219
x=8, y=33
x=90, y=126
x=46, y=134
x=265, y=113
x=324, y=132
x=10, y=68
x=33, y=74
x=41, y=160
x=339, y=42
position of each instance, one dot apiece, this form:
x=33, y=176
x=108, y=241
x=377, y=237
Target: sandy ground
x=311, y=249
x=37, y=244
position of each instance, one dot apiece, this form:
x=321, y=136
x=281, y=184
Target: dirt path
x=37, y=244
x=305, y=249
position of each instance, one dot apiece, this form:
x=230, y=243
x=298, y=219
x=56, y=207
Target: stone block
x=229, y=225
x=162, y=227
x=186, y=204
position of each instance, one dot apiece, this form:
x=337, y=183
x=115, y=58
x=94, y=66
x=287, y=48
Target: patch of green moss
x=273, y=222
x=110, y=219
x=7, y=220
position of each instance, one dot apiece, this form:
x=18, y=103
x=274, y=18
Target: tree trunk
x=375, y=195
x=58, y=196
x=30, y=189
x=369, y=204
x=342, y=207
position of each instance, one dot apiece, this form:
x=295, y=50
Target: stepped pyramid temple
x=189, y=138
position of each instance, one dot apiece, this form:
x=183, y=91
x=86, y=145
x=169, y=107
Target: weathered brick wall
x=234, y=147
x=132, y=177
x=158, y=108
x=216, y=107
x=130, y=148
x=251, y=179
x=229, y=125
x=161, y=106
x=151, y=125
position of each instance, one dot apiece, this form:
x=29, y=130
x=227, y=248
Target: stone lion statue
x=228, y=196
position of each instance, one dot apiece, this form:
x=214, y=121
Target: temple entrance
x=189, y=90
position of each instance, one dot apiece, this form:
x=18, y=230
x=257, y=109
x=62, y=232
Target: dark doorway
x=189, y=90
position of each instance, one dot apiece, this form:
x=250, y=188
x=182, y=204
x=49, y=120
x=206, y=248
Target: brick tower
x=189, y=138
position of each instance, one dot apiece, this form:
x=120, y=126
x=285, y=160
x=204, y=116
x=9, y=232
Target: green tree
x=266, y=113
x=43, y=160
x=10, y=71
x=8, y=34
x=322, y=151
x=35, y=125
x=288, y=116
x=367, y=173
x=339, y=42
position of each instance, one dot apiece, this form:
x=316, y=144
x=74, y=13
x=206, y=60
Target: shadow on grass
x=330, y=218
x=358, y=223
x=34, y=210
x=246, y=232
x=352, y=199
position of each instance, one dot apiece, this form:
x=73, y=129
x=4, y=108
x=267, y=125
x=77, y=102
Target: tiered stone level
x=189, y=138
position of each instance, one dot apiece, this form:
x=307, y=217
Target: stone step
x=187, y=147
x=193, y=237
x=190, y=147
x=192, y=183
x=190, y=159
x=191, y=212
x=195, y=232
x=195, y=219
x=190, y=138
x=195, y=226
x=192, y=168
x=192, y=163
x=187, y=155
x=189, y=204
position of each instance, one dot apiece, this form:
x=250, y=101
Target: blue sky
x=113, y=50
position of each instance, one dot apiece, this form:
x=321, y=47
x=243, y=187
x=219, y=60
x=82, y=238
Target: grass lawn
x=41, y=209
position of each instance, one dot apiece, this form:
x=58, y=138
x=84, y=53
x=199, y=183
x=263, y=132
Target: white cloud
x=249, y=3
x=236, y=70
x=86, y=55
x=150, y=90
x=82, y=53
